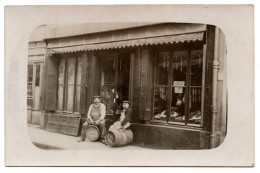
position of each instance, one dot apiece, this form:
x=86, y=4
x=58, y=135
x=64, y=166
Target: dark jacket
x=128, y=117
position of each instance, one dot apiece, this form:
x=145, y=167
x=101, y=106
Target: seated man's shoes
x=103, y=141
x=81, y=140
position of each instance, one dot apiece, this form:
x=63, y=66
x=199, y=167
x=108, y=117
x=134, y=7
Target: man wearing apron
x=125, y=118
x=96, y=115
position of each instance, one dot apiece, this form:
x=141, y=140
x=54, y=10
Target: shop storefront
x=166, y=71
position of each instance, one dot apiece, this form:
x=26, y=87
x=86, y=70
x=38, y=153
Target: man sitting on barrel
x=95, y=116
x=124, y=119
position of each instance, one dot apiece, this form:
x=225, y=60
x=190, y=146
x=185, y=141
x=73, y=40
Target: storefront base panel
x=33, y=117
x=163, y=137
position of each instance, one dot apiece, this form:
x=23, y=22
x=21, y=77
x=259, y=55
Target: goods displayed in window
x=185, y=71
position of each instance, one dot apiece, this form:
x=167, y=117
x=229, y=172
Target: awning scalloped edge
x=191, y=37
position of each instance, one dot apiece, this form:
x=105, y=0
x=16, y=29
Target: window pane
x=178, y=105
x=109, y=69
x=195, y=105
x=179, y=65
x=161, y=68
x=196, y=67
x=160, y=103
x=37, y=76
x=195, y=93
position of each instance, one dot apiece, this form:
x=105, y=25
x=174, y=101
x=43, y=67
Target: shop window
x=178, y=87
x=69, y=81
x=161, y=85
x=115, y=81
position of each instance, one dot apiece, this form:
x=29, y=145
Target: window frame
x=171, y=49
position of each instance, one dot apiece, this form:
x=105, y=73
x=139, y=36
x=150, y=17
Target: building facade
x=173, y=74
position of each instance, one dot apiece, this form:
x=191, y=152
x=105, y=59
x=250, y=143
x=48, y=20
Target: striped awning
x=167, y=39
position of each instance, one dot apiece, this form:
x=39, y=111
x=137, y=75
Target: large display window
x=178, y=85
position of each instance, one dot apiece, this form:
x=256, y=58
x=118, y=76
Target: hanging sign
x=178, y=90
x=178, y=86
x=178, y=83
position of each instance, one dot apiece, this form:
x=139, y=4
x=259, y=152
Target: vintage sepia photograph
x=127, y=85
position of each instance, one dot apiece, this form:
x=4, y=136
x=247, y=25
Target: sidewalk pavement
x=49, y=140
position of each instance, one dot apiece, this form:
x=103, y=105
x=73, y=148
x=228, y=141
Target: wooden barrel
x=92, y=133
x=119, y=137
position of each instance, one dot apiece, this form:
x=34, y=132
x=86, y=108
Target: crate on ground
x=64, y=123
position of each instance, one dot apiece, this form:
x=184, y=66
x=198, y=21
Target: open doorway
x=115, y=75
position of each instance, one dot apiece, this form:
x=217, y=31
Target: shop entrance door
x=115, y=75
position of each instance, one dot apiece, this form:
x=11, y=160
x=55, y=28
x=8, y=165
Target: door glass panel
x=78, y=83
x=109, y=69
x=69, y=101
x=61, y=74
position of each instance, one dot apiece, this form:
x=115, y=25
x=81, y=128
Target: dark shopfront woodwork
x=51, y=83
x=139, y=88
x=210, y=42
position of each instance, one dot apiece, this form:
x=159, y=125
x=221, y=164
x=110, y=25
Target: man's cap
x=126, y=101
x=96, y=97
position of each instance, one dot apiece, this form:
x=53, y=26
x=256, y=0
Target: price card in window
x=178, y=90
x=178, y=83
